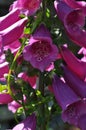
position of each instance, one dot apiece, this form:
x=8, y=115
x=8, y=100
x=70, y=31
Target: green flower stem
x=42, y=106
x=11, y=69
x=43, y=10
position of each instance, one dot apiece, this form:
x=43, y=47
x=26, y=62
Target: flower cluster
x=36, y=64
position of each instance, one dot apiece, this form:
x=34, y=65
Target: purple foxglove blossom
x=3, y=64
x=5, y=98
x=9, y=19
x=28, y=124
x=73, y=20
x=75, y=114
x=40, y=51
x=63, y=93
x=77, y=4
x=72, y=106
x=27, y=7
x=62, y=9
x=73, y=61
x=14, y=46
x=13, y=32
x=78, y=85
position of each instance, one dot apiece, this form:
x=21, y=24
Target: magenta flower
x=77, y=4
x=63, y=93
x=28, y=124
x=3, y=70
x=13, y=32
x=5, y=98
x=40, y=51
x=29, y=79
x=73, y=20
x=73, y=61
x=27, y=7
x=9, y=19
x=75, y=114
x=78, y=85
x=13, y=106
x=73, y=108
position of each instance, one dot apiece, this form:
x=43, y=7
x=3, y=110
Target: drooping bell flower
x=76, y=65
x=13, y=32
x=72, y=106
x=78, y=85
x=9, y=19
x=13, y=106
x=28, y=124
x=5, y=98
x=27, y=7
x=77, y=4
x=40, y=51
x=63, y=93
x=73, y=20
x=75, y=114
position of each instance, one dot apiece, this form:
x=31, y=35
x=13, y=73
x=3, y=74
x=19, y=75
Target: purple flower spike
x=63, y=93
x=28, y=124
x=78, y=85
x=13, y=32
x=27, y=7
x=40, y=51
x=73, y=61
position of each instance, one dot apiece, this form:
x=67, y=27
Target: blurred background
x=4, y=6
x=7, y=120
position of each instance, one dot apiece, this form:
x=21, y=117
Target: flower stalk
x=42, y=106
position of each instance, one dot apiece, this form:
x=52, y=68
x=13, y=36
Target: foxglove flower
x=73, y=20
x=77, y=4
x=73, y=108
x=27, y=7
x=78, y=85
x=13, y=32
x=28, y=124
x=40, y=51
x=63, y=93
x=13, y=106
x=73, y=61
x=5, y=98
x=9, y=19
